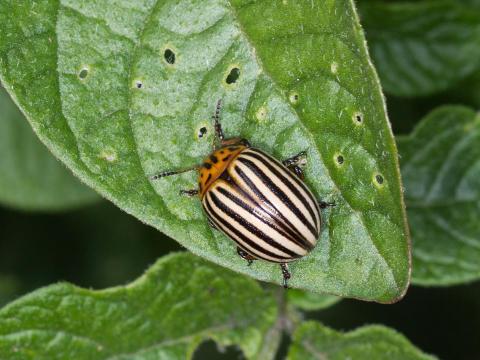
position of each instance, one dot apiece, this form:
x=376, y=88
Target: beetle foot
x=297, y=170
x=286, y=274
x=246, y=256
x=212, y=225
x=189, y=192
x=294, y=164
x=324, y=205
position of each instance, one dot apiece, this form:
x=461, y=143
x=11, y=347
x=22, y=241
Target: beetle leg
x=297, y=170
x=244, y=255
x=192, y=192
x=324, y=205
x=293, y=163
x=212, y=225
x=286, y=274
x=219, y=137
x=170, y=173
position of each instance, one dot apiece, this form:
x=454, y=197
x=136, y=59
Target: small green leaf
x=441, y=172
x=308, y=301
x=422, y=47
x=120, y=91
x=314, y=341
x=179, y=303
x=30, y=177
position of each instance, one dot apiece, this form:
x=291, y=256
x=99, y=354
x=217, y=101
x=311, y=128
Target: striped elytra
x=263, y=207
x=259, y=202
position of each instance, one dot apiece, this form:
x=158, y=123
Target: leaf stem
x=288, y=319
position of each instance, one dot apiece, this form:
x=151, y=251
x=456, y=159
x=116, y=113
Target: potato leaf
x=121, y=90
x=422, y=47
x=315, y=341
x=441, y=172
x=180, y=302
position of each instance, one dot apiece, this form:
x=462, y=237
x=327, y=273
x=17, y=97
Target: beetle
x=259, y=202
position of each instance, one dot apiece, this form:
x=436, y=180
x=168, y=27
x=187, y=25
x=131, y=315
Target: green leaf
x=180, y=302
x=315, y=341
x=474, y=3
x=105, y=93
x=441, y=172
x=422, y=47
x=310, y=301
x=30, y=177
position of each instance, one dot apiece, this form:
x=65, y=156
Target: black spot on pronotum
x=379, y=179
x=83, y=74
x=233, y=76
x=340, y=159
x=138, y=84
x=202, y=132
x=169, y=56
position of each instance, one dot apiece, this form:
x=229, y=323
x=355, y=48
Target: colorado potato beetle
x=259, y=202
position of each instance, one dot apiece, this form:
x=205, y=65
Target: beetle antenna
x=216, y=118
x=170, y=173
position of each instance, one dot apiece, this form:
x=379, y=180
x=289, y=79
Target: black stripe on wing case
x=258, y=193
x=282, y=231
x=247, y=227
x=289, y=180
x=256, y=249
x=279, y=193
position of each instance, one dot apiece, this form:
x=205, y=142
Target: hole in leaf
x=202, y=132
x=169, y=56
x=293, y=97
x=358, y=118
x=83, y=73
x=233, y=76
x=379, y=179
